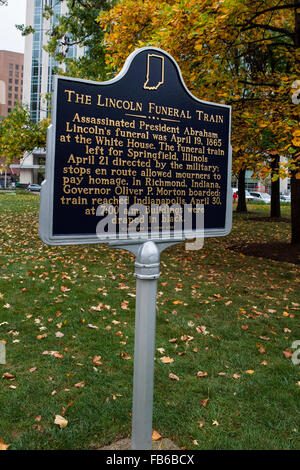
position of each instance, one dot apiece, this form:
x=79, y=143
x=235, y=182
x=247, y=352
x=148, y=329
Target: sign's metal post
x=147, y=274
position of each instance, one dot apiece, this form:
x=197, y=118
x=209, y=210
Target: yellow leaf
x=60, y=421
x=250, y=371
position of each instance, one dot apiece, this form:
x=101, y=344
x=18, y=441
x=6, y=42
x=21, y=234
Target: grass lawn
x=67, y=317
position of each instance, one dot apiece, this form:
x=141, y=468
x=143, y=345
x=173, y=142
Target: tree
x=19, y=134
x=243, y=52
x=78, y=28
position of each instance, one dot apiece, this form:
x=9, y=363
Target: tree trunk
x=241, y=206
x=275, y=191
x=295, y=208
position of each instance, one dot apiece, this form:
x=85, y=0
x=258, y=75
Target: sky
x=14, y=13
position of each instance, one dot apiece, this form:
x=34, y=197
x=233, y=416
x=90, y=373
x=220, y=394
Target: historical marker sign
x=141, y=139
x=133, y=162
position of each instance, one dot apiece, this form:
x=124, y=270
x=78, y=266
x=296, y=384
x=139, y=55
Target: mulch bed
x=278, y=251
x=270, y=219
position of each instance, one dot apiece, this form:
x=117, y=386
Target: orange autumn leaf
x=204, y=402
x=2, y=445
x=173, y=377
x=166, y=360
x=202, y=374
x=156, y=436
x=125, y=356
x=287, y=353
x=97, y=361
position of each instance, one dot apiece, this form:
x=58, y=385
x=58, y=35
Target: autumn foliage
x=243, y=52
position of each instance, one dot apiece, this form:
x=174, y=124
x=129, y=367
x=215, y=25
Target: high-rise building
x=38, y=76
x=11, y=91
x=11, y=80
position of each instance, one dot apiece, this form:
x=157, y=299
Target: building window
x=11, y=66
x=17, y=66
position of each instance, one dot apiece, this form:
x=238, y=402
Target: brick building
x=11, y=80
x=11, y=93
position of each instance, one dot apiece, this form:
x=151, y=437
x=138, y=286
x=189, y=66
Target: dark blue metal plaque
x=141, y=136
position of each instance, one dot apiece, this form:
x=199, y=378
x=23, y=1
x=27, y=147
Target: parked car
x=258, y=196
x=285, y=198
x=34, y=187
x=248, y=196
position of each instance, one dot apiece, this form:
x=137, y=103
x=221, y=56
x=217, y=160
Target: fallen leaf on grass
x=42, y=336
x=204, y=402
x=57, y=355
x=2, y=445
x=250, y=371
x=125, y=356
x=8, y=376
x=287, y=353
x=156, y=436
x=202, y=374
x=166, y=360
x=215, y=423
x=60, y=421
x=236, y=376
x=64, y=289
x=96, y=361
x=79, y=385
x=173, y=377
x=92, y=326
